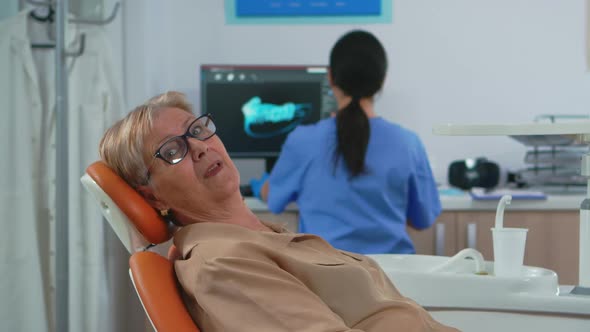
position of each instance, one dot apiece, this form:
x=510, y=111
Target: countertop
x=553, y=202
x=464, y=202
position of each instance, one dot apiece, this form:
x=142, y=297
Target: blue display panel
x=294, y=8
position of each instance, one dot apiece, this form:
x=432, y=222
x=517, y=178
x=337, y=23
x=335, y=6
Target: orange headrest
x=145, y=219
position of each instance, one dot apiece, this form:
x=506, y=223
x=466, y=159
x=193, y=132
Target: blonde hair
x=122, y=146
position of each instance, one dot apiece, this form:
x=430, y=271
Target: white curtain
x=100, y=294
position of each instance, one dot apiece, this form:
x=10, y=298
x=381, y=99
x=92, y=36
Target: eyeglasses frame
x=184, y=137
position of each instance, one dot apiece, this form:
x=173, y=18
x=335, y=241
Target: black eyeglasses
x=176, y=148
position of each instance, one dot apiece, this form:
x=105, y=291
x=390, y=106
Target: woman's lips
x=213, y=169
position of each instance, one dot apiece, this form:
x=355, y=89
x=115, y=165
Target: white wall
x=8, y=8
x=458, y=61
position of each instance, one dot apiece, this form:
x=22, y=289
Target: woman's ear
x=148, y=194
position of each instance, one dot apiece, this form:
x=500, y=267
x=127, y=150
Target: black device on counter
x=469, y=173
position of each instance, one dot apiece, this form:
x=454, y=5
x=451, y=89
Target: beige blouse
x=236, y=279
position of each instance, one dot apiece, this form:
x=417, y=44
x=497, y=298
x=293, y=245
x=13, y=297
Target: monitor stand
x=269, y=163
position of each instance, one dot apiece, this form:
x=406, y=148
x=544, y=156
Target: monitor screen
x=255, y=107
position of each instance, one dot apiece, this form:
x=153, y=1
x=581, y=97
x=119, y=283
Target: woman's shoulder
x=210, y=241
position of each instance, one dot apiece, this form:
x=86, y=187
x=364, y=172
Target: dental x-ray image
x=261, y=119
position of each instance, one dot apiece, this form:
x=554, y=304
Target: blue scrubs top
x=366, y=214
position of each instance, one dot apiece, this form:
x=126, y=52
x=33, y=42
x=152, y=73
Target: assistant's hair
x=358, y=64
x=122, y=146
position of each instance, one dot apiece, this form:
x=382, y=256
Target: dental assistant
x=357, y=178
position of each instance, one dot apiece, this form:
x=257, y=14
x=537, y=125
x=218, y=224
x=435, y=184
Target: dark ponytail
x=358, y=64
x=353, y=132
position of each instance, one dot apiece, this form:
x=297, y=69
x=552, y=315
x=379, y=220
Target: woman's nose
x=197, y=148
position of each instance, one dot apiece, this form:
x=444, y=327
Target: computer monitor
x=256, y=107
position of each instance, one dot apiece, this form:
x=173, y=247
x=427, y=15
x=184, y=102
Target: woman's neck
x=233, y=211
x=243, y=216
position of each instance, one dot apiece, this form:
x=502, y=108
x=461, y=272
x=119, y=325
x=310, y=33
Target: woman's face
x=200, y=183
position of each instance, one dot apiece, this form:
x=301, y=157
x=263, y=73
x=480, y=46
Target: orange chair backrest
x=135, y=210
x=154, y=280
x=137, y=225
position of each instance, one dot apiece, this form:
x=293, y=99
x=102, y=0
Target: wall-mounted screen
x=270, y=8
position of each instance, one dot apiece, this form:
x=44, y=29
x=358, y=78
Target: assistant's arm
x=285, y=181
x=410, y=224
x=423, y=201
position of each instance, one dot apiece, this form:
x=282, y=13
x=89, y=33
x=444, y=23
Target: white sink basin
x=413, y=276
x=455, y=295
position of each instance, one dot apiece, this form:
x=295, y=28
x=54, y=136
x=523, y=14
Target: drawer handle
x=472, y=235
x=439, y=239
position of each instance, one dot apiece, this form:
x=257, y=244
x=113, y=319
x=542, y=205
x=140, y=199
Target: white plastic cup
x=509, y=244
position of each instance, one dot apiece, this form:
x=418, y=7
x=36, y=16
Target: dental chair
x=140, y=227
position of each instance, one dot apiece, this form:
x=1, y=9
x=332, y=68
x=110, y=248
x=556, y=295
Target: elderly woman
x=237, y=272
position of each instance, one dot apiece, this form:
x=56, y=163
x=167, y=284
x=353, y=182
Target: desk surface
x=465, y=203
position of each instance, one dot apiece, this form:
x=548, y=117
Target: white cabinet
x=438, y=239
